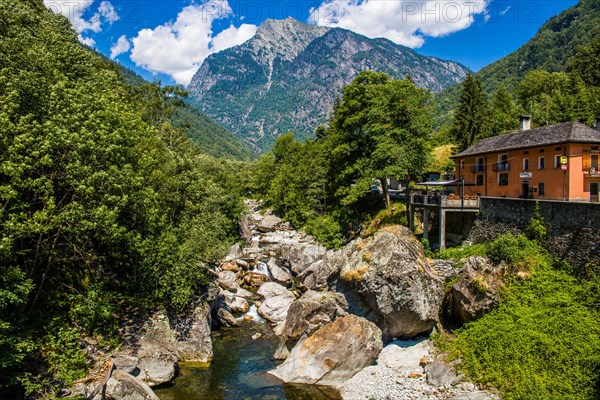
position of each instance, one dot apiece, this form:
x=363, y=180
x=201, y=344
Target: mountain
x=550, y=49
x=287, y=77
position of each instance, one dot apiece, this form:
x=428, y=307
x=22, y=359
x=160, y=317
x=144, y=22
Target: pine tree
x=504, y=112
x=471, y=117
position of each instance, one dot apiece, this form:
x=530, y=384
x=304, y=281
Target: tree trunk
x=386, y=193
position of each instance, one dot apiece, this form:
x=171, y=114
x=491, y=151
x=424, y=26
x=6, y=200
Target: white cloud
x=121, y=46
x=405, y=22
x=74, y=10
x=179, y=48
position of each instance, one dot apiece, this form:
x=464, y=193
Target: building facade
x=556, y=162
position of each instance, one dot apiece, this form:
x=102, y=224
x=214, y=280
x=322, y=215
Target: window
x=541, y=162
x=594, y=164
x=541, y=188
x=502, y=162
x=557, y=161
x=462, y=164
x=479, y=164
x=526, y=164
x=479, y=180
x=541, y=150
x=503, y=179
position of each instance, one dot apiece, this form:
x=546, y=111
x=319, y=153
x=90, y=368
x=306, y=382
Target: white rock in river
x=278, y=274
x=277, y=301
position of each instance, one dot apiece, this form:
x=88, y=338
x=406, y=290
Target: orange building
x=552, y=162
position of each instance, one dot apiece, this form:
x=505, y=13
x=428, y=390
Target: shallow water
x=238, y=371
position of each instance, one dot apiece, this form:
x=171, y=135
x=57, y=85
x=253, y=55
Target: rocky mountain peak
x=285, y=38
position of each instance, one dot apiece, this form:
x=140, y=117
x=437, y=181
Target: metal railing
x=478, y=169
x=501, y=166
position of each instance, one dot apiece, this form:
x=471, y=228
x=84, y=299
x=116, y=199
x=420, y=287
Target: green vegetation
x=543, y=340
x=104, y=204
x=471, y=115
x=380, y=128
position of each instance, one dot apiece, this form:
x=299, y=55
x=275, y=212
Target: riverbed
x=239, y=370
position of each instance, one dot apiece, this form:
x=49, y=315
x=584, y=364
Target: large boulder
x=193, y=341
x=268, y=223
x=122, y=386
x=311, y=311
x=388, y=280
x=278, y=274
x=334, y=353
x=158, y=351
x=301, y=255
x=475, y=292
x=233, y=302
x=318, y=274
x=277, y=301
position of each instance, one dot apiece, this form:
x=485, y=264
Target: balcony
x=478, y=169
x=500, y=167
x=450, y=201
x=591, y=171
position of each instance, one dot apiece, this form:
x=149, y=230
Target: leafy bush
x=395, y=215
x=327, y=231
x=536, y=228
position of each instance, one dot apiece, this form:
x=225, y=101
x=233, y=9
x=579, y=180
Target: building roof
x=568, y=132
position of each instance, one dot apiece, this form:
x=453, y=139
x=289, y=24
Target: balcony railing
x=450, y=201
x=477, y=169
x=593, y=171
x=501, y=166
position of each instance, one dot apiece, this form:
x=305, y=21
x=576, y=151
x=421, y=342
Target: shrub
x=327, y=231
x=536, y=228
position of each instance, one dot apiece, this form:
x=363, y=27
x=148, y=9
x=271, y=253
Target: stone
x=235, y=251
x=478, y=395
x=255, y=279
x=444, y=268
x=318, y=274
x=194, y=342
x=158, y=351
x=123, y=386
x=233, y=302
x=404, y=356
x=225, y=318
x=441, y=374
x=476, y=291
x=333, y=354
x=125, y=363
x=257, y=335
x=311, y=311
x=278, y=274
x=388, y=280
x=246, y=294
x=282, y=351
x=229, y=265
x=245, y=231
x=228, y=280
x=277, y=302
x=268, y=223
x=243, y=264
x=301, y=255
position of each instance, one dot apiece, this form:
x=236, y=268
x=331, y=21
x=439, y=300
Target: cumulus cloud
x=405, y=22
x=74, y=10
x=178, y=48
x=121, y=46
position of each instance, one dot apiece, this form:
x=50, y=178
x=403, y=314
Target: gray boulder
x=441, y=374
x=319, y=273
x=125, y=363
x=122, y=386
x=278, y=274
x=311, y=311
x=224, y=318
x=301, y=255
x=333, y=354
x=388, y=280
x=234, y=303
x=228, y=280
x=194, y=342
x=475, y=293
x=158, y=351
x=277, y=302
x=268, y=223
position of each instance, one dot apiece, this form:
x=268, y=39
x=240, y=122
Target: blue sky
x=168, y=39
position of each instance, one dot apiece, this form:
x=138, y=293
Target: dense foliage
x=380, y=128
x=102, y=200
x=543, y=339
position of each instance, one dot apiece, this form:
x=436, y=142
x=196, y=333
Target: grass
x=541, y=342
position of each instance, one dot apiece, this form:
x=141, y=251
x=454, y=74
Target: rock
x=234, y=303
x=122, y=386
x=388, y=280
x=235, y=251
x=158, y=351
x=225, y=318
x=301, y=255
x=244, y=293
x=334, y=353
x=277, y=302
x=312, y=311
x=255, y=279
x=475, y=293
x=257, y=335
x=229, y=265
x=125, y=363
x=194, y=342
x=441, y=374
x=444, y=268
x=479, y=395
x=278, y=274
x=268, y=223
x=318, y=274
x=404, y=356
x=228, y=280
x=245, y=231
x=282, y=351
x=242, y=264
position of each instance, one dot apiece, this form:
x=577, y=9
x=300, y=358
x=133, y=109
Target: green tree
x=504, y=112
x=472, y=114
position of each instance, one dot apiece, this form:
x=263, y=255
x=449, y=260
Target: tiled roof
x=568, y=132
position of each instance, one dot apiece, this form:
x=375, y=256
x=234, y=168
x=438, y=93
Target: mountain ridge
x=259, y=92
